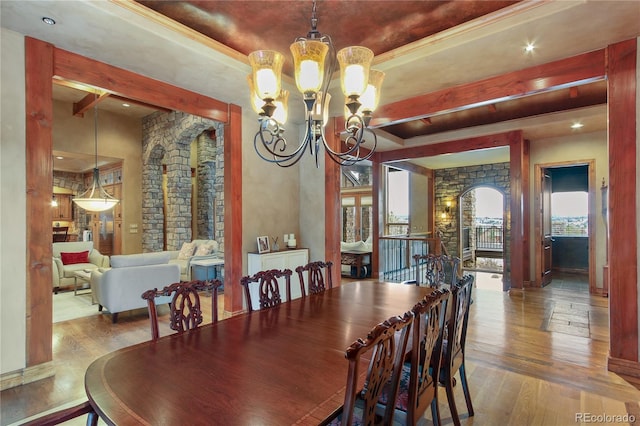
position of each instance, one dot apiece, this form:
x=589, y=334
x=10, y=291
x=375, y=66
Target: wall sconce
x=446, y=213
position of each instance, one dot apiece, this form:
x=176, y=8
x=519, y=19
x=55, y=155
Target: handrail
x=397, y=251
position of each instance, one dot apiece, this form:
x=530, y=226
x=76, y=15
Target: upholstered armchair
x=69, y=257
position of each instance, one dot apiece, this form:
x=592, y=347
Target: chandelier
x=95, y=199
x=314, y=60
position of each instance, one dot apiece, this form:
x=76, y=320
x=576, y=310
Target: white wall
x=13, y=214
x=581, y=147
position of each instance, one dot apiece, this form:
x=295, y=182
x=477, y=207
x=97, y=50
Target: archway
x=483, y=230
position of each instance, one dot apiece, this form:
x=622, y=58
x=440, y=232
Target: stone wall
x=451, y=184
x=167, y=139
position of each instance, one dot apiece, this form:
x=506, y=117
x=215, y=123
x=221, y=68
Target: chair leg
x=114, y=318
x=452, y=400
x=92, y=419
x=465, y=389
x=435, y=412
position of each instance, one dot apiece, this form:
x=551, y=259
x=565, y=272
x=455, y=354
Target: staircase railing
x=396, y=255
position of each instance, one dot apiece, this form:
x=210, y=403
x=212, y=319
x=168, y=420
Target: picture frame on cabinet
x=263, y=244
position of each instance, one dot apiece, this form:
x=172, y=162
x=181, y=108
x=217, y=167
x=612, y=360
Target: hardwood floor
x=528, y=360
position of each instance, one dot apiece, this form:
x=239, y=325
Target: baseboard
x=623, y=367
x=27, y=375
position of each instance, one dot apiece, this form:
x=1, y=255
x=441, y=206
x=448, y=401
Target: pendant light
x=95, y=199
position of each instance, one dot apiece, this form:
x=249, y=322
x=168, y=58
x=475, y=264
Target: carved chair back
x=185, y=311
x=384, y=350
x=436, y=269
x=268, y=287
x=453, y=349
x=318, y=277
x=424, y=366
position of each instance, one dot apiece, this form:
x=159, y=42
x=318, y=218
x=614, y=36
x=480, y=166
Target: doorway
x=564, y=223
x=482, y=236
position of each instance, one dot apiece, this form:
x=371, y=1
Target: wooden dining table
x=280, y=366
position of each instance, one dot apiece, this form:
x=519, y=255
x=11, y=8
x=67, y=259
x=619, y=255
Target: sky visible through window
x=488, y=203
x=569, y=204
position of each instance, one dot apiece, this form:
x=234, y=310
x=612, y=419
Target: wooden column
x=518, y=176
x=332, y=204
x=39, y=169
x=623, y=243
x=233, y=210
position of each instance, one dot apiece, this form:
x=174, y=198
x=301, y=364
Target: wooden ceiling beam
x=462, y=145
x=73, y=67
x=556, y=75
x=87, y=103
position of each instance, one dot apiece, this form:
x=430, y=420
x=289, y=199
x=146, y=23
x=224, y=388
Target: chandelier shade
x=315, y=60
x=96, y=199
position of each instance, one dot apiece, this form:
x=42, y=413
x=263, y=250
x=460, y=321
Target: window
x=397, y=202
x=570, y=214
x=357, y=213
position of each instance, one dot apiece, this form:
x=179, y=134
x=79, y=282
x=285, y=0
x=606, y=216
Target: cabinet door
x=117, y=237
x=116, y=192
x=63, y=211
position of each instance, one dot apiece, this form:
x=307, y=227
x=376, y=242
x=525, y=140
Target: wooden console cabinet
x=283, y=259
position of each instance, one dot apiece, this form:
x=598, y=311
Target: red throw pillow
x=78, y=257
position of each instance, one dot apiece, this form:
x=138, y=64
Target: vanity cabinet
x=283, y=259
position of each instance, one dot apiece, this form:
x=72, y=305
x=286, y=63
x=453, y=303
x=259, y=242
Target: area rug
x=67, y=306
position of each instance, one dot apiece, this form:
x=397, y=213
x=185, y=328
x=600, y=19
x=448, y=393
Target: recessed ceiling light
x=126, y=105
x=577, y=125
x=48, y=21
x=529, y=47
x=59, y=158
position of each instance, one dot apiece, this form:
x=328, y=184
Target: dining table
x=278, y=366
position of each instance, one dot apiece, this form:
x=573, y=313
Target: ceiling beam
x=73, y=67
x=556, y=75
x=462, y=145
x=88, y=102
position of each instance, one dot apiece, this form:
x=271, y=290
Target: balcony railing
x=396, y=255
x=489, y=241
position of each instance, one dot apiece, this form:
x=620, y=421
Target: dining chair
x=454, y=345
x=418, y=387
x=268, y=287
x=436, y=269
x=63, y=415
x=185, y=311
x=60, y=233
x=317, y=282
x=384, y=350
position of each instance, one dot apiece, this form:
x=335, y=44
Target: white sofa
x=63, y=274
x=356, y=246
x=120, y=288
x=184, y=261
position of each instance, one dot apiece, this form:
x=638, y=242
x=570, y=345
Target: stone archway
x=167, y=142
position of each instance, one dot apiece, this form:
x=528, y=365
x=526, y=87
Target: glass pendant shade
x=354, y=69
x=281, y=103
x=267, y=72
x=371, y=95
x=95, y=199
x=256, y=102
x=308, y=60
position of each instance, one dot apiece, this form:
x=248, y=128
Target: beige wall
x=581, y=147
x=270, y=195
x=418, y=203
x=13, y=213
x=119, y=136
